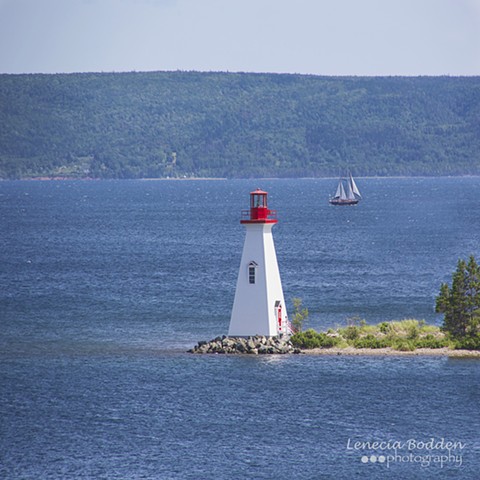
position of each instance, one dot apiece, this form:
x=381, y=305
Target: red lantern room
x=259, y=212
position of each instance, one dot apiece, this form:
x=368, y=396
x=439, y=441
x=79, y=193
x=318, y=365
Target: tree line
x=174, y=124
x=460, y=304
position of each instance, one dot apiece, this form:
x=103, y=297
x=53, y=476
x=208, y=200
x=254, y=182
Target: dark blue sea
x=105, y=285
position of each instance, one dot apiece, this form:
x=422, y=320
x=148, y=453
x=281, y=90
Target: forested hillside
x=170, y=124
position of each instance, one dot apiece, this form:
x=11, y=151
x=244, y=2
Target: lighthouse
x=259, y=306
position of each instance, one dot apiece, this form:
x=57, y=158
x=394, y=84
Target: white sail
x=342, y=191
x=354, y=187
x=338, y=193
x=350, y=195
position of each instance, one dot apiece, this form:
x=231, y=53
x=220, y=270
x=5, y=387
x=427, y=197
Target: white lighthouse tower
x=259, y=306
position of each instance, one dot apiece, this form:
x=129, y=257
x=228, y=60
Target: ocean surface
x=105, y=285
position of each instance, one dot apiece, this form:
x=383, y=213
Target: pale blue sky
x=326, y=37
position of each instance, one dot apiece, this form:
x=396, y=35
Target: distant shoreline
x=380, y=177
x=179, y=179
x=91, y=179
x=390, y=352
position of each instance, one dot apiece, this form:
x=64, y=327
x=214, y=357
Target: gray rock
x=253, y=345
x=228, y=342
x=240, y=347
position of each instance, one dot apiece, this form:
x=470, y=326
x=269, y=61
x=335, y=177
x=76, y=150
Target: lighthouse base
x=256, y=345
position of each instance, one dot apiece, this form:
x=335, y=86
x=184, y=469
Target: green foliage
x=351, y=332
x=370, y=341
x=355, y=325
x=404, y=345
x=312, y=339
x=413, y=332
x=300, y=315
x=406, y=327
x=468, y=343
x=405, y=335
x=384, y=327
x=174, y=124
x=460, y=303
x=430, y=341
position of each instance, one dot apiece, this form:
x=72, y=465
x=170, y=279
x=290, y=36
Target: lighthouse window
x=259, y=201
x=251, y=274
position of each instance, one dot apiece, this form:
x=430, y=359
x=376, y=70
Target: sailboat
x=347, y=192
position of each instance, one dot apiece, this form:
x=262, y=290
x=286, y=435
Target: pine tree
x=461, y=303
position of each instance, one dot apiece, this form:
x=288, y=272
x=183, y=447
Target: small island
x=459, y=335
x=405, y=337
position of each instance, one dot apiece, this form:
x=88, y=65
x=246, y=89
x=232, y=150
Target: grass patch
x=404, y=345
x=405, y=336
x=371, y=341
x=430, y=341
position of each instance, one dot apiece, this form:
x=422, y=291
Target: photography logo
x=425, y=453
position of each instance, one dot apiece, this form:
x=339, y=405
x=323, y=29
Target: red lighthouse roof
x=258, y=191
x=259, y=211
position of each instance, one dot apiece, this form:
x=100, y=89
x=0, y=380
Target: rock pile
x=256, y=345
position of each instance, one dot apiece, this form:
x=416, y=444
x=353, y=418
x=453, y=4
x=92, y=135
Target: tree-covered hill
x=129, y=125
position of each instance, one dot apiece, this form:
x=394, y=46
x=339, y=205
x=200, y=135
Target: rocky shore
x=260, y=345
x=257, y=345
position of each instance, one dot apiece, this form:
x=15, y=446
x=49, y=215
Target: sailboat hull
x=340, y=201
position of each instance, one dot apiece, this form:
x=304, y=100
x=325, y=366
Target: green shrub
x=404, y=345
x=305, y=339
x=429, y=341
x=368, y=329
x=429, y=328
x=350, y=333
x=370, y=341
x=329, y=341
x=312, y=339
x=405, y=336
x=413, y=332
x=384, y=327
x=406, y=327
x=468, y=343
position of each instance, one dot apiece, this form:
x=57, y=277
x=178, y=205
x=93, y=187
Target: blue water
x=105, y=285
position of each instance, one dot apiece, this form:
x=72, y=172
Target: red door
x=279, y=318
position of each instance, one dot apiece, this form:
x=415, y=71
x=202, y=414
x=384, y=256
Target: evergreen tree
x=460, y=303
